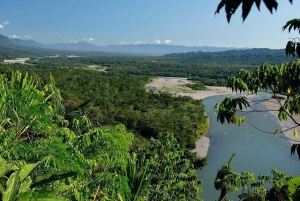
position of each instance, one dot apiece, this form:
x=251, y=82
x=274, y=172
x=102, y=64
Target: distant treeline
x=255, y=56
x=211, y=68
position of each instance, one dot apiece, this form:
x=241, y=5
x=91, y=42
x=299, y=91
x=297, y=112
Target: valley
x=149, y=101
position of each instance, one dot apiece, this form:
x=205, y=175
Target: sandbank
x=17, y=60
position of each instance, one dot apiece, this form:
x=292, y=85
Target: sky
x=173, y=22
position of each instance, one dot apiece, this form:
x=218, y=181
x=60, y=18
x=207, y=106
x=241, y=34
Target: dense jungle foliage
x=109, y=99
x=51, y=150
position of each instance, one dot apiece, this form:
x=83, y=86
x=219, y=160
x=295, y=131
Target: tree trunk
x=223, y=194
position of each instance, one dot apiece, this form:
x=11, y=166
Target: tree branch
x=271, y=132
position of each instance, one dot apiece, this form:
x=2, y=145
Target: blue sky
x=177, y=22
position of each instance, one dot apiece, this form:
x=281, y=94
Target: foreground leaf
x=13, y=184
x=46, y=178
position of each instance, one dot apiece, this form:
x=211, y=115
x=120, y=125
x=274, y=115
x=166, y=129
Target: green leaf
x=25, y=185
x=246, y=8
x=296, y=133
x=5, y=168
x=27, y=169
x=2, y=189
x=12, y=184
x=294, y=148
x=292, y=184
x=271, y=4
x=46, y=178
x=40, y=195
x=61, y=189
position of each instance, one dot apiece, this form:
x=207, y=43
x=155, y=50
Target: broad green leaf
x=25, y=185
x=40, y=195
x=2, y=161
x=12, y=184
x=5, y=168
x=2, y=189
x=292, y=184
x=61, y=189
x=49, y=177
x=26, y=196
x=26, y=170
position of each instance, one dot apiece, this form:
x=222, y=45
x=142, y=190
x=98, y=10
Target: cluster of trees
x=45, y=154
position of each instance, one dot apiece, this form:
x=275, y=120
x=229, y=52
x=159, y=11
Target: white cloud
x=167, y=41
x=71, y=40
x=122, y=43
x=74, y=41
x=63, y=38
x=88, y=39
x=157, y=41
x=138, y=42
x=2, y=26
x=14, y=36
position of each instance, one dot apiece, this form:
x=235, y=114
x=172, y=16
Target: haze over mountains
x=143, y=49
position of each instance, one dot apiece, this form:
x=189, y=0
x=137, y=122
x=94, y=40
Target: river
x=256, y=152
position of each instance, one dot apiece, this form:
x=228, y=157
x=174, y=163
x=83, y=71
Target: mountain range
x=142, y=49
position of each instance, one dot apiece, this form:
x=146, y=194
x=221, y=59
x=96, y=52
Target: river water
x=256, y=152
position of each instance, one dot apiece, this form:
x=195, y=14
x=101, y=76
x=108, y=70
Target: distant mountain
x=160, y=49
x=143, y=49
x=80, y=46
x=5, y=41
x=26, y=43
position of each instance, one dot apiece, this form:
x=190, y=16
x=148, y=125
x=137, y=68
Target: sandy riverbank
x=202, y=144
x=17, y=60
x=169, y=82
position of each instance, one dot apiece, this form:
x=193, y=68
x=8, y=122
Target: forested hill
x=255, y=56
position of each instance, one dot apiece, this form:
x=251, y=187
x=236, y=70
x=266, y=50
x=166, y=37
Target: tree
x=283, y=83
x=220, y=183
x=284, y=188
x=276, y=80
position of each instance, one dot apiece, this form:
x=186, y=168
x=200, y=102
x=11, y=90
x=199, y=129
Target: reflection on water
x=256, y=152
